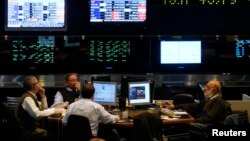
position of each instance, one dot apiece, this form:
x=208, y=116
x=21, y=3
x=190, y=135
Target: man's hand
x=78, y=86
x=41, y=92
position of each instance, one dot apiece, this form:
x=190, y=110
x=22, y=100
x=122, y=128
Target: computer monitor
x=105, y=92
x=242, y=48
x=180, y=52
x=35, y=15
x=124, y=83
x=110, y=11
x=139, y=93
x=33, y=49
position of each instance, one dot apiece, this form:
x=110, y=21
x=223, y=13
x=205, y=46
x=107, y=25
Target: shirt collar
x=69, y=89
x=214, y=96
x=32, y=94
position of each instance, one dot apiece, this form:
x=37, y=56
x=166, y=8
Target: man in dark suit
x=213, y=110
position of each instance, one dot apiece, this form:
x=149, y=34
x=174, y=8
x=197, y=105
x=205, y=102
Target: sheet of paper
x=167, y=117
x=180, y=113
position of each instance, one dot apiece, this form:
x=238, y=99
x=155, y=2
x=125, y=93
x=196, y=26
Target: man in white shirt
x=29, y=110
x=92, y=110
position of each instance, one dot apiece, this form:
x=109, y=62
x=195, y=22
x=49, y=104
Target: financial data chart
x=109, y=50
x=35, y=13
x=242, y=49
x=38, y=50
x=204, y=2
x=118, y=10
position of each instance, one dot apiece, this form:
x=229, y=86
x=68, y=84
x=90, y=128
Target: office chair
x=147, y=127
x=243, y=115
x=183, y=99
x=78, y=128
x=245, y=97
x=238, y=117
x=9, y=124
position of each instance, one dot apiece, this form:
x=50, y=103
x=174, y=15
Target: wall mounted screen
x=105, y=92
x=180, y=52
x=33, y=50
x=110, y=50
x=118, y=50
x=118, y=10
x=139, y=93
x=242, y=48
x=32, y=15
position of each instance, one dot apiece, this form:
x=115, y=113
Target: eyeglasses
x=73, y=80
x=37, y=83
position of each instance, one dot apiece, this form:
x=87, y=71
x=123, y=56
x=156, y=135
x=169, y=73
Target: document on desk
x=165, y=117
x=177, y=115
x=180, y=113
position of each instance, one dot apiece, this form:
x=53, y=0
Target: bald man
x=213, y=110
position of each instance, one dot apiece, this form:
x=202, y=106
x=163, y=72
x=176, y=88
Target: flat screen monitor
x=139, y=93
x=35, y=15
x=124, y=83
x=180, y=52
x=119, y=50
x=33, y=50
x=242, y=48
x=105, y=92
x=130, y=11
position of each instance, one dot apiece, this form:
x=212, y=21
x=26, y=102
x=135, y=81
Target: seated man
x=72, y=91
x=29, y=110
x=93, y=111
x=213, y=110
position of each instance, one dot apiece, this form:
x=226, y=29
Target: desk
x=125, y=129
x=55, y=118
x=165, y=121
x=129, y=123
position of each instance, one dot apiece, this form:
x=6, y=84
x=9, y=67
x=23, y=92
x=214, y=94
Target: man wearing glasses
x=72, y=91
x=213, y=110
x=30, y=110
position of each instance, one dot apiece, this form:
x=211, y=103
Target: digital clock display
x=204, y=2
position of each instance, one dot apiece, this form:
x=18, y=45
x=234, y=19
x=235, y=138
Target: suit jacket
x=211, y=111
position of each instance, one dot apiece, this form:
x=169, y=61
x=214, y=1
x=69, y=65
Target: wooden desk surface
x=165, y=121
x=55, y=118
x=129, y=123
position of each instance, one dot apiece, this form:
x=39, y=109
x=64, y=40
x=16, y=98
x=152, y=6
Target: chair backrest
x=243, y=114
x=233, y=119
x=12, y=102
x=245, y=97
x=183, y=99
x=78, y=128
x=238, y=117
x=147, y=127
